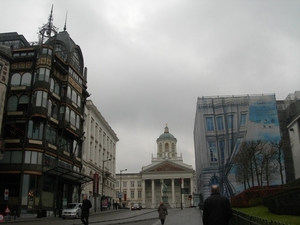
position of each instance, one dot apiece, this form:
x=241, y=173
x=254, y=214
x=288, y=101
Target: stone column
x=143, y=194
x=192, y=186
x=173, y=194
x=182, y=196
x=153, y=194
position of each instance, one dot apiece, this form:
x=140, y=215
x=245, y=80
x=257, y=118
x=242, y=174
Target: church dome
x=166, y=135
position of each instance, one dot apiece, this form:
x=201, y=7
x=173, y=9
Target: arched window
x=77, y=121
x=23, y=103
x=214, y=180
x=26, y=79
x=56, y=88
x=69, y=93
x=75, y=60
x=40, y=98
x=63, y=90
x=12, y=103
x=42, y=74
x=73, y=118
x=74, y=96
x=67, y=116
x=51, y=134
x=54, y=111
x=61, y=112
x=49, y=108
x=61, y=51
x=52, y=85
x=15, y=79
x=35, y=130
x=79, y=101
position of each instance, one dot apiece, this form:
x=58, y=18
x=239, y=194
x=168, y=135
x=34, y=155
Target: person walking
x=216, y=208
x=163, y=212
x=85, y=210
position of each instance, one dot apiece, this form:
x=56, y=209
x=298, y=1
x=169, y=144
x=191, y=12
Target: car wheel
x=63, y=218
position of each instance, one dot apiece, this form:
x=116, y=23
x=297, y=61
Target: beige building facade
x=99, y=158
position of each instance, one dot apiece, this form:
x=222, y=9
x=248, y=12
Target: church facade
x=166, y=179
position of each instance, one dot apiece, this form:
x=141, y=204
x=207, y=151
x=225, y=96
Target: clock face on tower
x=166, y=145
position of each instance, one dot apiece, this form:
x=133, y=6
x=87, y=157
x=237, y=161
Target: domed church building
x=166, y=179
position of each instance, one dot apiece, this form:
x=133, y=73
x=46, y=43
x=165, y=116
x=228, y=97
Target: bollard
x=15, y=215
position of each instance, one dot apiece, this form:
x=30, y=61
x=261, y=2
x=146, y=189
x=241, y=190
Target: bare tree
x=278, y=147
x=268, y=166
x=255, y=162
x=242, y=168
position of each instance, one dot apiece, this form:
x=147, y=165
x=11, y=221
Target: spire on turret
x=166, y=128
x=65, y=27
x=48, y=30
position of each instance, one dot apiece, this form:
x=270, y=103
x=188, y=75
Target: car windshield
x=71, y=206
x=136, y=205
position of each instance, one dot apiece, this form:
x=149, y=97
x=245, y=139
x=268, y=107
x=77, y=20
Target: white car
x=73, y=210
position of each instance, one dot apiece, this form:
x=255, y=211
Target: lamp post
x=120, y=195
x=103, y=161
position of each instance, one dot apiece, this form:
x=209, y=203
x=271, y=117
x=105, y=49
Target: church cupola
x=166, y=145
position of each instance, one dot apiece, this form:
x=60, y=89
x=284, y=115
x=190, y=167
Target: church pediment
x=167, y=167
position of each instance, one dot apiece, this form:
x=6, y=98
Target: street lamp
x=120, y=195
x=103, y=161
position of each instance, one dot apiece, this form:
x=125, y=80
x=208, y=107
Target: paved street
x=187, y=216
x=190, y=216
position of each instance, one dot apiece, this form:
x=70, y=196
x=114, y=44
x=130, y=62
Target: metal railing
x=240, y=218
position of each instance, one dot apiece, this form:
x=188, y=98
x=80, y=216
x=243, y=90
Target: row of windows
x=132, y=184
x=23, y=54
x=46, y=51
x=132, y=194
x=43, y=74
x=31, y=157
x=36, y=131
x=75, y=76
x=40, y=99
x=220, y=125
x=14, y=44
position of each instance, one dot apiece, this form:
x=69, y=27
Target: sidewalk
x=190, y=216
x=33, y=217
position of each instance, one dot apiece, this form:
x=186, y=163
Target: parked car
x=136, y=206
x=73, y=210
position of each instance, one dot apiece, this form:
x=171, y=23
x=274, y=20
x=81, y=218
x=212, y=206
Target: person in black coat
x=85, y=210
x=162, y=212
x=216, y=208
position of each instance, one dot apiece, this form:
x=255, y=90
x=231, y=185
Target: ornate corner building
x=43, y=91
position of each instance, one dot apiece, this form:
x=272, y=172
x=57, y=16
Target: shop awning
x=69, y=175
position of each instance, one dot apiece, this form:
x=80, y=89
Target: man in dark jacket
x=85, y=210
x=216, y=209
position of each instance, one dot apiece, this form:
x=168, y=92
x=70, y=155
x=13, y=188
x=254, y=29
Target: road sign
x=6, y=191
x=120, y=194
x=7, y=210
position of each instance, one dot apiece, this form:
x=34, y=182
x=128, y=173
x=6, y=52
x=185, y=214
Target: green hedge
x=285, y=203
x=254, y=196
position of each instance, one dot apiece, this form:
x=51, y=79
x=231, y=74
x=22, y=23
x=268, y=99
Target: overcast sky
x=149, y=60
